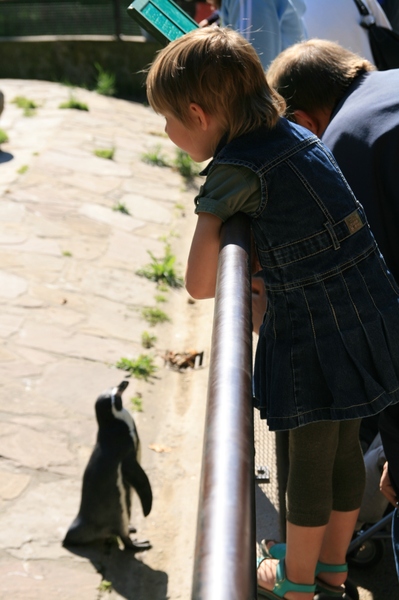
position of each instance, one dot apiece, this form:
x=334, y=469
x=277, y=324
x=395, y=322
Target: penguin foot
x=136, y=545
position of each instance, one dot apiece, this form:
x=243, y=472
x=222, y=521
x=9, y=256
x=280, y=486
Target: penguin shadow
x=129, y=576
x=5, y=157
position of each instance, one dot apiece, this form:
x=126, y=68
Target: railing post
x=117, y=18
x=224, y=565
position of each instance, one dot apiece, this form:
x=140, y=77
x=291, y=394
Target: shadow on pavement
x=5, y=157
x=130, y=578
x=267, y=517
x=381, y=579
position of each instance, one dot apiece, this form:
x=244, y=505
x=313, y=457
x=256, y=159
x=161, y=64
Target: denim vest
x=328, y=348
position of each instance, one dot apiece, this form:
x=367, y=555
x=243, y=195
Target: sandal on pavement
x=282, y=585
x=330, y=590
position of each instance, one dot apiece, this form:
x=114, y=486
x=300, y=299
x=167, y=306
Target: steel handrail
x=224, y=564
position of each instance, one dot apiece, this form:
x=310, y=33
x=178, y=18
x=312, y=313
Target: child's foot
x=267, y=573
x=332, y=575
x=267, y=580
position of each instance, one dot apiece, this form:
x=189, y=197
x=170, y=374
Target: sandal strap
x=284, y=585
x=329, y=590
x=276, y=551
x=326, y=568
x=260, y=559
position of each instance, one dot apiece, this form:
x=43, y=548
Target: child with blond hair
x=328, y=349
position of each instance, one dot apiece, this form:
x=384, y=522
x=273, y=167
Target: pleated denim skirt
x=329, y=349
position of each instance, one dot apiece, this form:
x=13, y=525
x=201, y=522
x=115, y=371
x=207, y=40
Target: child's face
x=197, y=141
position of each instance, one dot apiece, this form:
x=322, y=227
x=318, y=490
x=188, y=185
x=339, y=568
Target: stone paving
x=71, y=307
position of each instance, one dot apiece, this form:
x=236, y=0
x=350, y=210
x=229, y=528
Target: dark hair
x=315, y=74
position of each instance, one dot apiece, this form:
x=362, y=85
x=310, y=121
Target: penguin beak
x=122, y=386
x=116, y=395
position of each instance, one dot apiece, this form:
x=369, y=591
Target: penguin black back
x=112, y=472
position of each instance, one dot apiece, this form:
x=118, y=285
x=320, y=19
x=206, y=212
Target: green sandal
x=282, y=585
x=277, y=551
x=330, y=590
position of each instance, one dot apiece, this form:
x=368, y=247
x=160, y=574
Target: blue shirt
x=363, y=135
x=270, y=25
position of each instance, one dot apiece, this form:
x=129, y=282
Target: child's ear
x=199, y=116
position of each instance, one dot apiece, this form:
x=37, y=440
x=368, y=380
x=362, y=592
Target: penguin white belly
x=125, y=517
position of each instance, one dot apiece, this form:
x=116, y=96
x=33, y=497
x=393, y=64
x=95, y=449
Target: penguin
x=112, y=472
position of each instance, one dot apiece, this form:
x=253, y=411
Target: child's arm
x=203, y=258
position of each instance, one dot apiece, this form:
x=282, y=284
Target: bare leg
x=307, y=545
x=335, y=543
x=303, y=548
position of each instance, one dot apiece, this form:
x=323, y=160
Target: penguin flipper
x=136, y=477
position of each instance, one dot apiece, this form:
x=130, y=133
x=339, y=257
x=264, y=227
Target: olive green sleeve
x=229, y=189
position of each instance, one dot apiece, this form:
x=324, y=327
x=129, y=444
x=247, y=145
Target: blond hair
x=315, y=74
x=220, y=71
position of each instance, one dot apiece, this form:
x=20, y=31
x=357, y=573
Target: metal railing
x=224, y=565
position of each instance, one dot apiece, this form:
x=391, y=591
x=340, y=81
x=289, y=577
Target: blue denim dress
x=328, y=348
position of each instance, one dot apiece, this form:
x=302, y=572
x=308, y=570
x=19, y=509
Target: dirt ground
x=175, y=407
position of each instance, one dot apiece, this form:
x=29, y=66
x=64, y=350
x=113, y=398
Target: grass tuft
x=137, y=403
x=3, y=137
x=154, y=316
x=148, y=340
x=121, y=207
x=74, y=103
x=141, y=368
x=105, y=84
x=155, y=157
x=162, y=270
x=28, y=106
x=107, y=153
x=185, y=165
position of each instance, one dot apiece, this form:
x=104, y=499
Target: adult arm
x=389, y=430
x=386, y=487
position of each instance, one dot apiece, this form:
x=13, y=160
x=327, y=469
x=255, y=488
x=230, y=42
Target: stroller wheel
x=369, y=554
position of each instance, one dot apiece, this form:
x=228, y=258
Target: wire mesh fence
x=67, y=17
